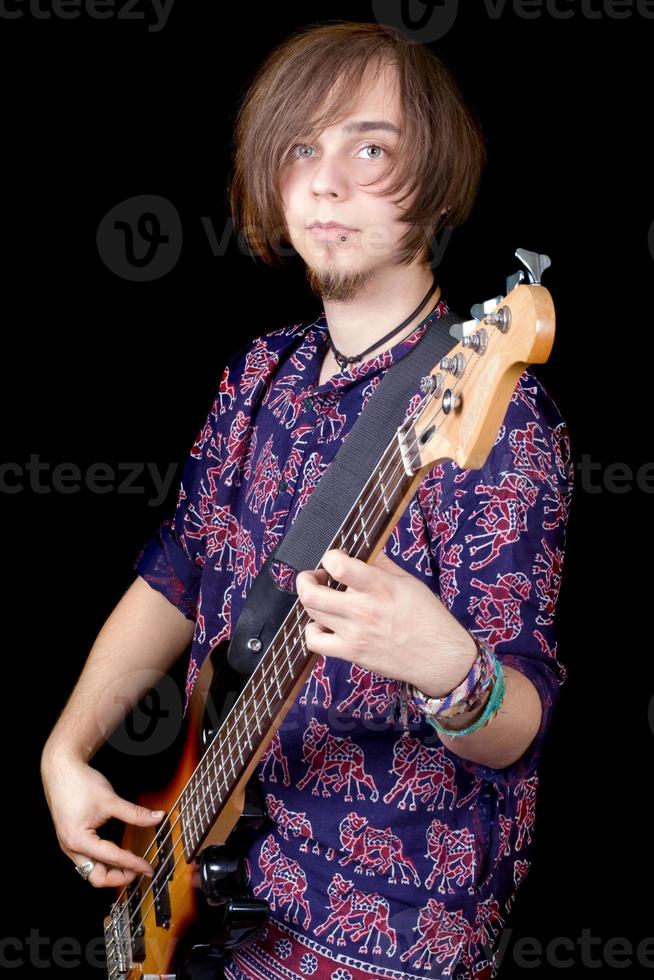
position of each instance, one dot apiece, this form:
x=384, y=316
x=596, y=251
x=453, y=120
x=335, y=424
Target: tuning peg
x=479, y=310
x=534, y=263
x=462, y=330
x=512, y=281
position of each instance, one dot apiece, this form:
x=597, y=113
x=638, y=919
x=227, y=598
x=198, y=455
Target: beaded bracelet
x=467, y=693
x=489, y=712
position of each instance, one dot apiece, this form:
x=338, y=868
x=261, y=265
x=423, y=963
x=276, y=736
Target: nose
x=328, y=178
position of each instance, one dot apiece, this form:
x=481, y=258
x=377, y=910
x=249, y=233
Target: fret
x=239, y=749
x=217, y=780
x=231, y=763
x=382, y=491
x=362, y=521
x=257, y=721
x=192, y=828
x=275, y=665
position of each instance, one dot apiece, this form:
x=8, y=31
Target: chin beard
x=336, y=284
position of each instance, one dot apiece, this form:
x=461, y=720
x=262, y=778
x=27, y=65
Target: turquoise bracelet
x=489, y=712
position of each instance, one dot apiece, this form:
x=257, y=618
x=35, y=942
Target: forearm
x=503, y=739
x=140, y=640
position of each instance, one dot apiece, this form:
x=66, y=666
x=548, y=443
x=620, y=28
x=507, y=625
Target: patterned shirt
x=390, y=856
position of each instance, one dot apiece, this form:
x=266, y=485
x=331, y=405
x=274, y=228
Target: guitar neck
x=269, y=691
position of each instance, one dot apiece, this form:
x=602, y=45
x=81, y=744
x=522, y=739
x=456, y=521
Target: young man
x=412, y=867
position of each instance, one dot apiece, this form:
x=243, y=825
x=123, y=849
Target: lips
x=331, y=224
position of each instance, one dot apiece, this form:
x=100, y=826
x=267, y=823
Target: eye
x=374, y=146
x=299, y=146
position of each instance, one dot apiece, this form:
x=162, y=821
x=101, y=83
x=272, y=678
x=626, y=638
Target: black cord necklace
x=344, y=361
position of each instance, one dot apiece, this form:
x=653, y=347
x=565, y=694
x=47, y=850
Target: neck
x=381, y=304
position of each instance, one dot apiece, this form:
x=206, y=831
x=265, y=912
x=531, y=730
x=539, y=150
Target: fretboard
x=267, y=688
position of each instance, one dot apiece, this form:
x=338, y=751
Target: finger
x=103, y=876
x=350, y=571
x=347, y=626
x=132, y=813
x=388, y=565
x=310, y=577
x=318, y=640
x=98, y=849
x=320, y=600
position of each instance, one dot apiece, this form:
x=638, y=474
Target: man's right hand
x=81, y=799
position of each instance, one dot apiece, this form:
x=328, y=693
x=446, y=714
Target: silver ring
x=85, y=869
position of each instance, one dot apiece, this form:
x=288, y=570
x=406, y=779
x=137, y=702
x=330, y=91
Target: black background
x=98, y=368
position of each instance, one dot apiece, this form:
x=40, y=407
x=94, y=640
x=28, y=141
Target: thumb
x=133, y=813
x=388, y=564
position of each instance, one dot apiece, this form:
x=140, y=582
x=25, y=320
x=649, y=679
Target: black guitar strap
x=302, y=548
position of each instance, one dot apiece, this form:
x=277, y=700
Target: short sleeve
x=172, y=560
x=499, y=539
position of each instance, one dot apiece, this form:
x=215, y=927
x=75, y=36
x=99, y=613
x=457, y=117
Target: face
x=325, y=181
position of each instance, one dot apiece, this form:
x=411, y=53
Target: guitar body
x=204, y=901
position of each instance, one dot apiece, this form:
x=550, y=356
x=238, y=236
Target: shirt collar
x=318, y=333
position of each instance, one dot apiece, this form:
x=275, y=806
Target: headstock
x=470, y=389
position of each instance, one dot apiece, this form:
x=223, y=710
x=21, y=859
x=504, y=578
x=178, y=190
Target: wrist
x=460, y=663
x=466, y=718
x=56, y=754
x=466, y=702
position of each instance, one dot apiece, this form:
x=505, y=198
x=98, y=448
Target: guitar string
x=439, y=411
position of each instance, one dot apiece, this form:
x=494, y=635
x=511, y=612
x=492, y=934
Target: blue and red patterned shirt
x=390, y=856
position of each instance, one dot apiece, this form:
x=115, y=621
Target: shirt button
x=282, y=484
x=308, y=404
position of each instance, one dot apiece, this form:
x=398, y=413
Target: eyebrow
x=368, y=125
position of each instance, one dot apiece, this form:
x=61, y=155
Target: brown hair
x=440, y=155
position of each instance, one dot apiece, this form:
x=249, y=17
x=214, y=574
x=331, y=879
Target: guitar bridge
x=118, y=942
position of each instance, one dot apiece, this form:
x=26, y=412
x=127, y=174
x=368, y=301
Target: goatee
x=338, y=285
